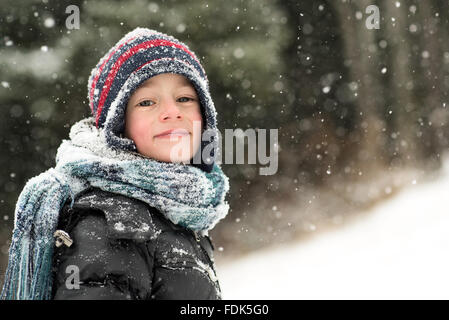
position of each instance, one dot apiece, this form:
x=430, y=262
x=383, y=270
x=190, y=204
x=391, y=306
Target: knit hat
x=138, y=56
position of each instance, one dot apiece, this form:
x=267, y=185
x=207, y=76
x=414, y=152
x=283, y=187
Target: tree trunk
x=406, y=138
x=363, y=62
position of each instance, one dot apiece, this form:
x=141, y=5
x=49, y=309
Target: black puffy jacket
x=125, y=249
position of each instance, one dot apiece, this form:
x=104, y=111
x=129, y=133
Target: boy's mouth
x=172, y=133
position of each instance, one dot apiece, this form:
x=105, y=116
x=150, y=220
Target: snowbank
x=398, y=250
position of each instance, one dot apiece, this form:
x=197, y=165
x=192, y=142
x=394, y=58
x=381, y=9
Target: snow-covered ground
x=398, y=250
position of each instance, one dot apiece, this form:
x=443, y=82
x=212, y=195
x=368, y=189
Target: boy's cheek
x=140, y=128
x=197, y=129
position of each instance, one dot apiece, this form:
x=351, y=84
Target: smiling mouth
x=178, y=134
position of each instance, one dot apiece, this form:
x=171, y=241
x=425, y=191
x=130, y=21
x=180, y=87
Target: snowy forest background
x=356, y=108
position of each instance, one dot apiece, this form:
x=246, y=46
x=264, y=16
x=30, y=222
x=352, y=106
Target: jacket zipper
x=208, y=259
x=197, y=237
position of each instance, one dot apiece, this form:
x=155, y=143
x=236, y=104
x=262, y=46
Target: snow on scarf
x=186, y=195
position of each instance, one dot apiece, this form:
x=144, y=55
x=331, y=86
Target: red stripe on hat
x=94, y=82
x=125, y=56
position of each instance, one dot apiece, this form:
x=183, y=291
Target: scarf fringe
x=28, y=276
x=41, y=287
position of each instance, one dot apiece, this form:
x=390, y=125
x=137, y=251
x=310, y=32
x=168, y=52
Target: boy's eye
x=144, y=103
x=185, y=99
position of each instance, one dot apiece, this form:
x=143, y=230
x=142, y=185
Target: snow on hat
x=138, y=56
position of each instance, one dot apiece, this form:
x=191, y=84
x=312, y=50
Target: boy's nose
x=170, y=111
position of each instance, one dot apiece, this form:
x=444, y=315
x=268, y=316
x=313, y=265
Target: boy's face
x=165, y=102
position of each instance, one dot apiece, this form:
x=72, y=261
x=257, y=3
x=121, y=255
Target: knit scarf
x=186, y=195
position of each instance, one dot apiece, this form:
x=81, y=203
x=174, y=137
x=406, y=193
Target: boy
x=130, y=214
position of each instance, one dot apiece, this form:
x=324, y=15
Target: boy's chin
x=186, y=159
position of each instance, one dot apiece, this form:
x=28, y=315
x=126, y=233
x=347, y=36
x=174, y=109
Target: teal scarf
x=183, y=193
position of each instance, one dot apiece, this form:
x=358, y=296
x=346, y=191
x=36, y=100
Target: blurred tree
x=348, y=101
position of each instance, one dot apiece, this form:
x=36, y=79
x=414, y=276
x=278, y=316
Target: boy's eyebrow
x=148, y=85
x=187, y=86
